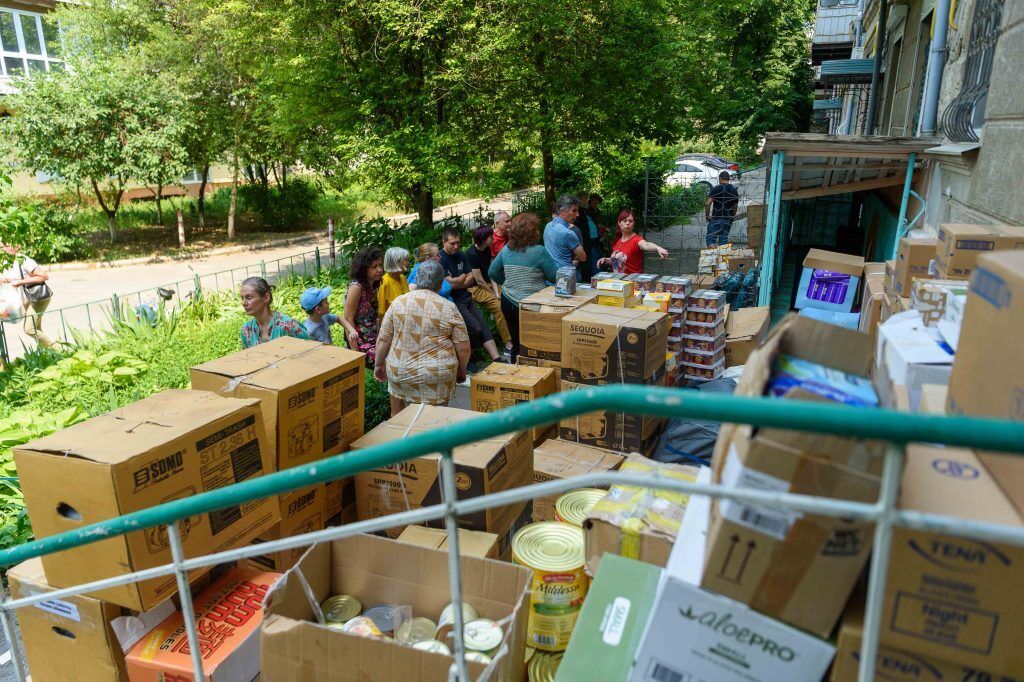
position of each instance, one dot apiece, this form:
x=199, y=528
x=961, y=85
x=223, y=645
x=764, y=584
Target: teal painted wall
x=885, y=232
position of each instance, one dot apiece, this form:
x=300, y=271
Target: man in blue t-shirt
x=460, y=276
x=720, y=210
x=560, y=239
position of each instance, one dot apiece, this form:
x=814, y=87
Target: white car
x=690, y=171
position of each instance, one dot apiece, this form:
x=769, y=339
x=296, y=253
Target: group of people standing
x=418, y=331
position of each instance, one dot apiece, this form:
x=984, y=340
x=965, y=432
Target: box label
x=615, y=620
x=950, y=624
x=768, y=520
x=229, y=456
x=59, y=607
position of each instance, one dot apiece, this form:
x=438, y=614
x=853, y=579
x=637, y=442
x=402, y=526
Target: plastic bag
x=10, y=302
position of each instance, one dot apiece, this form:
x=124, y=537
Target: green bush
x=383, y=234
x=42, y=230
x=290, y=207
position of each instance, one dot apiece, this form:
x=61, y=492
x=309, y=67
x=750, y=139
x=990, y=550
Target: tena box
x=375, y=570
x=559, y=459
x=608, y=629
x=302, y=511
x=602, y=345
x=311, y=394
x=500, y=386
x=170, y=446
x=77, y=638
x=471, y=542
x=829, y=281
x=485, y=466
x=540, y=321
x=228, y=615
x=953, y=598
x=960, y=246
x=913, y=257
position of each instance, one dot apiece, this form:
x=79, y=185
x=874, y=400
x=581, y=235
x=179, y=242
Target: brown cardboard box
x=302, y=511
x=755, y=238
x=524, y=361
x=755, y=215
x=169, y=446
x=500, y=386
x=559, y=459
x=745, y=330
x=617, y=431
x=793, y=567
x=959, y=246
x=311, y=394
x=933, y=399
x=742, y=260
x=485, y=466
x=889, y=282
x=871, y=304
x=540, y=321
x=913, y=258
x=471, y=542
x=379, y=571
x=340, y=502
x=602, y=345
x=952, y=598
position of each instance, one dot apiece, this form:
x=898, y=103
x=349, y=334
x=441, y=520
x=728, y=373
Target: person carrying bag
x=29, y=278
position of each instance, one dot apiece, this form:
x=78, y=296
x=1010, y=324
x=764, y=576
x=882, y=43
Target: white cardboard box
x=697, y=636
x=910, y=354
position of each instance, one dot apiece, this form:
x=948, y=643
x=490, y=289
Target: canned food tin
x=340, y=608
x=433, y=646
x=418, y=629
x=543, y=666
x=446, y=621
x=383, y=616
x=478, y=656
x=554, y=552
x=482, y=634
x=573, y=506
x=362, y=626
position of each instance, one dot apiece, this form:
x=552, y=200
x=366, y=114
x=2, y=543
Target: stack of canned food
x=704, y=335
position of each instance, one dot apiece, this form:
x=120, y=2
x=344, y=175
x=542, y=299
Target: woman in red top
x=630, y=244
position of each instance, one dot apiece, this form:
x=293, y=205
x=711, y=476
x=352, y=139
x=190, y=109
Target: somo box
x=500, y=386
x=172, y=445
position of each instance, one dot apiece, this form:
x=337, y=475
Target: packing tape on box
x=629, y=546
x=231, y=385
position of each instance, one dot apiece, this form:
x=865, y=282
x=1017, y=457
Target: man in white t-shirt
x=23, y=271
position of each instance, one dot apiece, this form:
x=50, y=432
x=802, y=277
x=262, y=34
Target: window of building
x=838, y=3
x=28, y=44
x=963, y=119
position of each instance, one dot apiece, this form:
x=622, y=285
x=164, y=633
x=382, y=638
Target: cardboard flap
x=520, y=375
x=820, y=259
x=747, y=322
x=252, y=360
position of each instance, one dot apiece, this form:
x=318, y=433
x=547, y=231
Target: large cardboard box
x=755, y=215
x=829, y=281
x=795, y=567
x=471, y=542
x=540, y=321
x=486, y=466
x=524, y=361
x=948, y=597
x=745, y=330
x=340, y=502
x=228, y=615
x=913, y=258
x=302, y=511
x=602, y=345
x=172, y=445
x=379, y=571
x=78, y=638
x=311, y=395
x=619, y=431
x=910, y=355
x=959, y=246
x=559, y=459
x=871, y=304
x=500, y=386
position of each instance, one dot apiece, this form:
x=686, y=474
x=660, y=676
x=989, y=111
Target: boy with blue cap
x=318, y=308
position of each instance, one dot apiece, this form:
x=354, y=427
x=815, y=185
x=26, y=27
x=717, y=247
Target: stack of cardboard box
x=540, y=327
x=755, y=227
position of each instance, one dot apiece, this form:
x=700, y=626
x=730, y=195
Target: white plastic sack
x=10, y=302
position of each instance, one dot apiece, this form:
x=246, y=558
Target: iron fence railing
x=895, y=427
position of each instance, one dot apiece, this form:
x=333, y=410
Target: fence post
x=317, y=260
x=263, y=269
x=197, y=285
x=115, y=306
x=330, y=240
x=181, y=230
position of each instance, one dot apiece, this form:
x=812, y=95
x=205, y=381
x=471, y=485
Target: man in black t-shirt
x=720, y=210
x=459, y=274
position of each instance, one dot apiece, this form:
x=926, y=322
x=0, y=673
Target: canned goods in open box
x=572, y=507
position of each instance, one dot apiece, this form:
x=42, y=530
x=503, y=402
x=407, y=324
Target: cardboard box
x=755, y=215
x=913, y=258
x=832, y=292
x=745, y=330
x=524, y=361
x=559, y=459
x=169, y=446
x=910, y=354
x=619, y=301
x=340, y=502
x=485, y=466
x=228, y=615
x=933, y=399
x=959, y=246
x=755, y=238
x=953, y=598
x=871, y=304
x=379, y=571
x=471, y=542
x=794, y=567
x=500, y=386
x=742, y=260
x=889, y=281
x=613, y=346
x=637, y=523
x=302, y=511
x=617, y=431
x=78, y=638
x=929, y=297
x=540, y=321
x=311, y=394
x=611, y=622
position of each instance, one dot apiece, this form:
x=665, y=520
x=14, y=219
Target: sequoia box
x=172, y=445
x=500, y=386
x=619, y=431
x=602, y=345
x=311, y=394
x=379, y=571
x=829, y=281
x=471, y=542
x=540, y=321
x=485, y=466
x=959, y=246
x=913, y=258
x=953, y=598
x=559, y=459
x=302, y=511
x=745, y=330
x=228, y=615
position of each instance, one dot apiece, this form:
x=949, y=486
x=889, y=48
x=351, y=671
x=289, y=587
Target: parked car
x=690, y=170
x=712, y=160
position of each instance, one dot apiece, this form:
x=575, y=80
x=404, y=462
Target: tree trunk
x=234, y=191
x=201, y=200
x=112, y=224
x=548, y=159
x=111, y=212
x=159, y=204
x=423, y=200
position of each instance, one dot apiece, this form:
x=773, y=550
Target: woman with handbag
x=28, y=277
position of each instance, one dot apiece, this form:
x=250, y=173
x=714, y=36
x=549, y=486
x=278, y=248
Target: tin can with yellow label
x=573, y=506
x=543, y=667
x=554, y=552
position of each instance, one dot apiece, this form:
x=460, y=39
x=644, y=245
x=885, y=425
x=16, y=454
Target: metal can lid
x=573, y=506
x=418, y=629
x=433, y=646
x=549, y=546
x=340, y=608
x=383, y=616
x=482, y=634
x=446, y=621
x=543, y=666
x=478, y=656
x=362, y=626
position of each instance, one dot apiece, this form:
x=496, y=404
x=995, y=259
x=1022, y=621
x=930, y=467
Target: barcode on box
x=659, y=672
x=767, y=522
